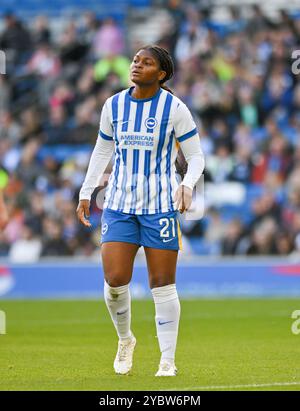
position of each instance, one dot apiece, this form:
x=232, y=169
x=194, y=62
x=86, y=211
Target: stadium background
x=240, y=266
x=233, y=69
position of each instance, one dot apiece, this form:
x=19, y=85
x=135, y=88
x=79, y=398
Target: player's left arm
x=189, y=140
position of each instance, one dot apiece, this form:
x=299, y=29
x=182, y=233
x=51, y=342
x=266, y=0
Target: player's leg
x=161, y=238
x=162, y=269
x=161, y=266
x=119, y=245
x=118, y=259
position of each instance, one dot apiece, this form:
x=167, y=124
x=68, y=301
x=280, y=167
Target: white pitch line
x=220, y=387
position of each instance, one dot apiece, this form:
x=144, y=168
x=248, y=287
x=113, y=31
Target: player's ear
x=162, y=74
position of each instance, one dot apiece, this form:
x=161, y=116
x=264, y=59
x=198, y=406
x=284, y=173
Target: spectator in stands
x=41, y=31
x=262, y=240
x=86, y=84
x=15, y=40
x=215, y=230
x=258, y=22
x=220, y=165
x=263, y=207
x=27, y=248
x=29, y=169
x=296, y=251
x=44, y=62
x=10, y=130
x=242, y=165
x=86, y=126
x=5, y=93
x=172, y=27
x=31, y=125
x=109, y=40
x=72, y=49
x=56, y=130
x=4, y=245
x=88, y=27
x=283, y=242
x=236, y=79
x=53, y=242
x=15, y=223
x=114, y=68
x=35, y=213
x=231, y=241
x=3, y=211
x=193, y=41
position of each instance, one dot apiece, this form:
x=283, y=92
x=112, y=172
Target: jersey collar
x=139, y=100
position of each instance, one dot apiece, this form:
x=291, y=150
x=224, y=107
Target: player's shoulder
x=177, y=103
x=113, y=99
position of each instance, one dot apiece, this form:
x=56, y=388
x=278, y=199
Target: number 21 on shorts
x=168, y=231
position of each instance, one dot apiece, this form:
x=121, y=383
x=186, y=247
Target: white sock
x=167, y=309
x=118, y=302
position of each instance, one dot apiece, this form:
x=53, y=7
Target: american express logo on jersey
x=139, y=140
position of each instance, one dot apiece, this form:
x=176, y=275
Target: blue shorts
x=151, y=230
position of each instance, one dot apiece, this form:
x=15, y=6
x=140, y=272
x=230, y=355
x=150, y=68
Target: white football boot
x=166, y=369
x=123, y=360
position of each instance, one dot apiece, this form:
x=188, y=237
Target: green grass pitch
x=223, y=344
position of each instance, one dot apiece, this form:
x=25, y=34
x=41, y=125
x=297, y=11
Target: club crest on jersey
x=151, y=122
x=104, y=229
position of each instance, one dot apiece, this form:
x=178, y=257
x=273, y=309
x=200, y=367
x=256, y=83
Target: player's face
x=145, y=69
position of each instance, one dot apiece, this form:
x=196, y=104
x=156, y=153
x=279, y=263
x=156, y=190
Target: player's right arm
x=99, y=160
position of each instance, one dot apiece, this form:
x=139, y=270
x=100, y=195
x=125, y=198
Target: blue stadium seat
x=140, y=3
x=28, y=8
x=62, y=152
x=242, y=211
x=199, y=246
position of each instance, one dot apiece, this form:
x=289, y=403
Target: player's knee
x=115, y=279
x=115, y=292
x=159, y=281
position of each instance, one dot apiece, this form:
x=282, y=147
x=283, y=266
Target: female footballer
x=144, y=125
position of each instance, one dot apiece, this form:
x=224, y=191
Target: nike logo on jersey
x=165, y=322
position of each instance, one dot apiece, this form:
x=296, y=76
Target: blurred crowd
x=235, y=76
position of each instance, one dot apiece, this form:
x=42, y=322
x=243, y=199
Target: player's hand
x=183, y=198
x=83, y=212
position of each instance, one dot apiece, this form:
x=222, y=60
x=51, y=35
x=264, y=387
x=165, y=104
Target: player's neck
x=141, y=92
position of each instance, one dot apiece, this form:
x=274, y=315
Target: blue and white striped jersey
x=146, y=133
